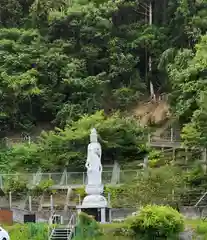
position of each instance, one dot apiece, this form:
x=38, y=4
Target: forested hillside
x=81, y=63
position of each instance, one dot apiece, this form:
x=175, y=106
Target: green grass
x=27, y=231
x=114, y=231
x=199, y=226
x=111, y=231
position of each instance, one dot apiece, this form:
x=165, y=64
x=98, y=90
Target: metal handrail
x=202, y=197
x=71, y=225
x=51, y=229
x=72, y=221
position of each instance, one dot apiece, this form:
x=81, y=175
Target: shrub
x=201, y=229
x=157, y=222
x=115, y=192
x=80, y=191
x=43, y=187
x=156, y=159
x=16, y=186
x=87, y=228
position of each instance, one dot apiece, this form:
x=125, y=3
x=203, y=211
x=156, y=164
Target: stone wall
x=116, y=214
x=121, y=213
x=194, y=212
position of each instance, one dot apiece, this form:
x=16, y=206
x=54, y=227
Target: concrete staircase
x=61, y=234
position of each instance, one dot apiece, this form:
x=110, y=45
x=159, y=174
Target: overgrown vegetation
x=81, y=64
x=32, y=231
x=62, y=60
x=152, y=220
x=20, y=187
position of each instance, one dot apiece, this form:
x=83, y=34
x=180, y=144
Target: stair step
x=59, y=237
x=60, y=234
x=62, y=230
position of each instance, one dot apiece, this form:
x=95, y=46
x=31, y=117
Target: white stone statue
x=94, y=186
x=93, y=163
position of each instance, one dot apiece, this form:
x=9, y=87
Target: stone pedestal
x=97, y=206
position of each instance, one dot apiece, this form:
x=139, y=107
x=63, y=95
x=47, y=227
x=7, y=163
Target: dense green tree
x=122, y=139
x=187, y=74
x=88, y=59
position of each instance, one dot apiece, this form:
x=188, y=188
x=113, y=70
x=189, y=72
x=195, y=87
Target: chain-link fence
x=65, y=178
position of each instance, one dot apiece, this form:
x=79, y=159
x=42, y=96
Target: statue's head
x=93, y=135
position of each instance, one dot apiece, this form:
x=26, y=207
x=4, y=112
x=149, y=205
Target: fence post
x=146, y=162
x=84, y=178
x=109, y=199
x=10, y=200
x=66, y=178
x=79, y=199
x=186, y=156
x=51, y=204
x=173, y=195
x=149, y=138
x=6, y=142
x=171, y=135
x=30, y=203
x=1, y=182
x=204, y=159
x=29, y=140
x=173, y=153
x=118, y=176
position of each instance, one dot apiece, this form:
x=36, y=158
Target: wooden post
x=30, y=203
x=10, y=200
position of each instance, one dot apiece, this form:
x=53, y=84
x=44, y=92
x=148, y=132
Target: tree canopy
x=62, y=60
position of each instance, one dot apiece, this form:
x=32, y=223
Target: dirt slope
x=152, y=112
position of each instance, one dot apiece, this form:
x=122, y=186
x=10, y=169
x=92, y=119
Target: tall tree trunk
x=152, y=92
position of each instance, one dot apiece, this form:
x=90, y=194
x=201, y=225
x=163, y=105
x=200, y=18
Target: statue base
x=92, y=201
x=97, y=206
x=94, y=189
